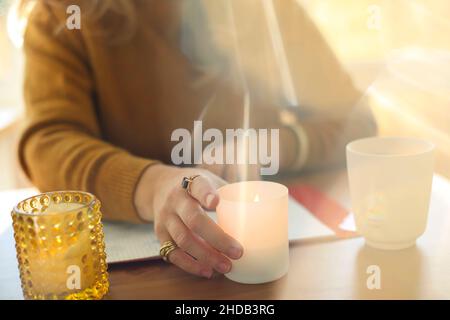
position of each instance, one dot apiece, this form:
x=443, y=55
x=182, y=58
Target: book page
x=126, y=242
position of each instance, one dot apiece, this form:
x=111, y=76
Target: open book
x=128, y=242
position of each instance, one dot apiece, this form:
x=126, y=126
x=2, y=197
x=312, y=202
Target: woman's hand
x=180, y=217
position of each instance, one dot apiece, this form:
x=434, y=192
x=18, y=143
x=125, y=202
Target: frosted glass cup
x=390, y=185
x=256, y=214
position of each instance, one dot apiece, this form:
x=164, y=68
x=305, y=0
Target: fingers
x=204, y=192
x=196, y=247
x=186, y=262
x=198, y=222
x=202, y=245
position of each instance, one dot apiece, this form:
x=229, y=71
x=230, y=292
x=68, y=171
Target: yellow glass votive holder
x=60, y=246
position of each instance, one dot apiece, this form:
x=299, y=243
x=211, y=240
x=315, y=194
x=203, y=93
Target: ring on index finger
x=187, y=181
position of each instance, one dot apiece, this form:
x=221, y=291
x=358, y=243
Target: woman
x=102, y=102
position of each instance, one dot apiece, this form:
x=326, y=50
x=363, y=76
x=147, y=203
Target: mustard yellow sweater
x=98, y=114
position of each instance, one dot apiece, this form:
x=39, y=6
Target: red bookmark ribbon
x=325, y=209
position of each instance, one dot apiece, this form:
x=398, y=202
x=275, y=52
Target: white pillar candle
x=256, y=214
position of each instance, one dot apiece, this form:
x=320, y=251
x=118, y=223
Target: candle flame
x=256, y=199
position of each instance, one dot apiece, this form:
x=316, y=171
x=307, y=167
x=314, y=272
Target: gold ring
x=187, y=181
x=166, y=248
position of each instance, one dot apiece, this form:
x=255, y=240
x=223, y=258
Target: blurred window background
x=11, y=103
x=11, y=63
x=397, y=52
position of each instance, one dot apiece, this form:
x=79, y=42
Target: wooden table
x=333, y=269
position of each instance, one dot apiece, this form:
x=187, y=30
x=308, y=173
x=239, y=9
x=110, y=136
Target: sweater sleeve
x=61, y=145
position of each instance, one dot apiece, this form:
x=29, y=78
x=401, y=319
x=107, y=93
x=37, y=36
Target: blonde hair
x=124, y=12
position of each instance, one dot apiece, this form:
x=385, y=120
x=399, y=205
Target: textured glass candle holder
x=60, y=246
